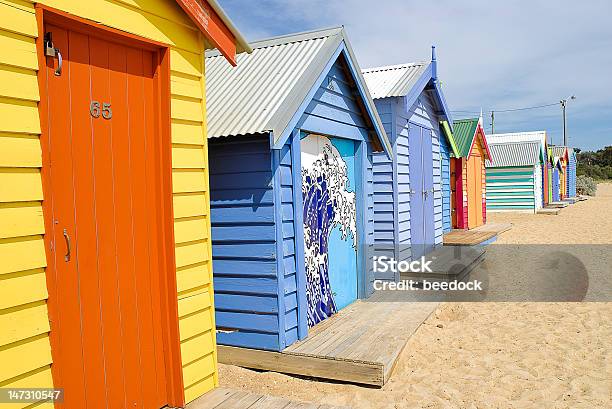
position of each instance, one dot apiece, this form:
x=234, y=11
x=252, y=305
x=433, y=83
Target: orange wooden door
x=108, y=348
x=471, y=182
x=474, y=185
x=478, y=190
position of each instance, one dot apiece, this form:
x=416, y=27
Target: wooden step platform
x=467, y=237
x=476, y=236
x=555, y=205
x=498, y=228
x=360, y=344
x=582, y=198
x=570, y=200
x=548, y=211
x=226, y=398
x=449, y=263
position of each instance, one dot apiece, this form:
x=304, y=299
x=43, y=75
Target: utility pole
x=563, y=105
x=492, y=122
x=563, y=108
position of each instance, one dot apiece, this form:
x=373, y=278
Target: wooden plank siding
x=392, y=177
x=446, y=187
x=22, y=279
x=510, y=188
x=424, y=114
x=244, y=242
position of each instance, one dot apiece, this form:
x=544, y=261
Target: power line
x=507, y=110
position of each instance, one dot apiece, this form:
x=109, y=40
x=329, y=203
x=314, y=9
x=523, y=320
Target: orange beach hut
x=468, y=181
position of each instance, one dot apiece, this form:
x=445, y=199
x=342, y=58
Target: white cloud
x=492, y=54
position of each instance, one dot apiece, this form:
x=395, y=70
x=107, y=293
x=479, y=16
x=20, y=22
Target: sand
x=490, y=355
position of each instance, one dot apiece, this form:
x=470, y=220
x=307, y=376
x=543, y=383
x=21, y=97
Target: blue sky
x=491, y=54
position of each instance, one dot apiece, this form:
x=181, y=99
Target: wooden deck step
x=467, y=237
x=449, y=263
x=556, y=205
x=227, y=398
x=570, y=200
x=582, y=198
x=360, y=344
x=549, y=211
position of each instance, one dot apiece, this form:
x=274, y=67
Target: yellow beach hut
x=105, y=259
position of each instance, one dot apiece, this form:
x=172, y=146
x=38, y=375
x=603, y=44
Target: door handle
x=58, y=70
x=68, y=246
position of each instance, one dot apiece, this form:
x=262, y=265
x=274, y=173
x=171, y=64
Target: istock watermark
x=385, y=264
x=426, y=285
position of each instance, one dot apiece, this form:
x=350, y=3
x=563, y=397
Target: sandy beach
x=490, y=355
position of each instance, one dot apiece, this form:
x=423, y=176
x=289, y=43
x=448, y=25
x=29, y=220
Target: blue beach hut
x=571, y=172
x=412, y=188
x=291, y=133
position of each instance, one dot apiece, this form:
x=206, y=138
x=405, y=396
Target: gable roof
x=514, y=154
x=559, y=151
x=465, y=134
x=408, y=80
x=518, y=137
x=272, y=86
x=218, y=29
x=529, y=136
x=393, y=80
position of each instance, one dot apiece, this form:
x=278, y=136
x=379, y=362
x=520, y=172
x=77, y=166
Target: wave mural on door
x=328, y=204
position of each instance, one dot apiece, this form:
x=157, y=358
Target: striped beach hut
x=537, y=136
x=412, y=188
x=572, y=163
x=468, y=174
x=105, y=268
x=514, y=179
x=561, y=155
x=556, y=175
x=291, y=135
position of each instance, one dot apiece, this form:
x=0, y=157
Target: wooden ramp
x=548, y=211
x=555, y=205
x=467, y=237
x=475, y=236
x=226, y=398
x=360, y=344
x=449, y=263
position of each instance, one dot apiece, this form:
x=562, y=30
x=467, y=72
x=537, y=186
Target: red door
x=108, y=348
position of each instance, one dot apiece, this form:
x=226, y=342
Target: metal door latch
x=51, y=51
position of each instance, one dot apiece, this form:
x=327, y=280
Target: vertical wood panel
x=86, y=233
x=104, y=167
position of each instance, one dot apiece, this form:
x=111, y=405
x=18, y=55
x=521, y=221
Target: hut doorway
x=330, y=224
x=107, y=198
x=474, y=178
x=421, y=190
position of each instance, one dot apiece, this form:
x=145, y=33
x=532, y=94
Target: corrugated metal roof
x=393, y=80
x=266, y=89
x=558, y=150
x=464, y=132
x=514, y=154
x=518, y=137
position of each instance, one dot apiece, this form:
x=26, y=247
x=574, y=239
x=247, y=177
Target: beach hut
x=291, y=135
x=412, y=187
x=556, y=178
x=468, y=174
x=514, y=180
x=105, y=266
x=572, y=163
x=537, y=136
x=562, y=155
